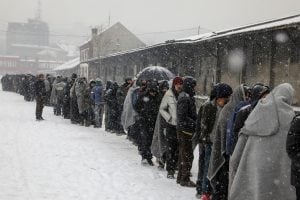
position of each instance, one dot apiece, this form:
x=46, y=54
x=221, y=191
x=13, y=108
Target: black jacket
x=40, y=88
x=147, y=107
x=293, y=150
x=205, y=122
x=239, y=122
x=186, y=113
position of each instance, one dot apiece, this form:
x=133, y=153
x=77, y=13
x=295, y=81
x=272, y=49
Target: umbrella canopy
x=155, y=72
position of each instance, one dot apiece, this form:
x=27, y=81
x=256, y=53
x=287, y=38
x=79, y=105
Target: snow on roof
x=214, y=35
x=41, y=61
x=197, y=37
x=260, y=26
x=72, y=50
x=35, y=46
x=9, y=56
x=68, y=65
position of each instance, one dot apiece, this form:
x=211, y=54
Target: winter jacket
x=218, y=159
x=230, y=138
x=40, y=88
x=147, y=107
x=168, y=108
x=121, y=94
x=239, y=123
x=80, y=89
x=186, y=114
x=260, y=168
x=97, y=95
x=59, y=89
x=293, y=150
x=205, y=122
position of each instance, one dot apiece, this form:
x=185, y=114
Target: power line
x=52, y=34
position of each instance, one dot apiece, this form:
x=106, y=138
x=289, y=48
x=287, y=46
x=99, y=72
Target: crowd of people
x=248, y=137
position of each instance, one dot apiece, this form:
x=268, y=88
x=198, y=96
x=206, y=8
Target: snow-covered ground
x=55, y=160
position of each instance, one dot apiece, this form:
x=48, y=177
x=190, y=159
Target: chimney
x=94, y=32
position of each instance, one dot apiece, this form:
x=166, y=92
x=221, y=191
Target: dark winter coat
x=147, y=107
x=230, y=137
x=293, y=150
x=205, y=122
x=40, y=88
x=239, y=122
x=186, y=113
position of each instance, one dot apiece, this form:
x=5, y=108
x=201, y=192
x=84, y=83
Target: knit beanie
x=223, y=90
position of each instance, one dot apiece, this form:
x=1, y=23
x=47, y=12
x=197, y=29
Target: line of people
x=248, y=137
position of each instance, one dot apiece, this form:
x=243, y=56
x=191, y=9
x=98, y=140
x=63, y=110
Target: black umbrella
x=155, y=72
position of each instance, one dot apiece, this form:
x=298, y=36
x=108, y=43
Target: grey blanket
x=259, y=167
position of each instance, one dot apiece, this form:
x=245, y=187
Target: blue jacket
x=229, y=132
x=97, y=95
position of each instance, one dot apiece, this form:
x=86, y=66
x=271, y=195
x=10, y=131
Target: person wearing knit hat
x=206, y=122
x=168, y=111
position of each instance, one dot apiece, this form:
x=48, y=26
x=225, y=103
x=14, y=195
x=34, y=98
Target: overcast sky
x=144, y=16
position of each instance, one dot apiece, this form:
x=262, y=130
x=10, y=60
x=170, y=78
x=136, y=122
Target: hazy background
x=151, y=20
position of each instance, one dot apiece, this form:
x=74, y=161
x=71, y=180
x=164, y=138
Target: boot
x=188, y=184
x=171, y=174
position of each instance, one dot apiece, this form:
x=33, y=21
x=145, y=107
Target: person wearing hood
x=59, y=94
x=219, y=162
x=108, y=88
x=258, y=92
x=159, y=146
x=110, y=98
x=97, y=98
x=74, y=113
x=40, y=94
x=53, y=97
x=260, y=168
x=48, y=90
x=230, y=143
x=121, y=95
x=293, y=150
x=66, y=99
x=147, y=106
x=206, y=124
x=168, y=112
x=80, y=89
x=186, y=127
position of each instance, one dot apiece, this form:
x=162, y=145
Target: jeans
x=203, y=184
x=98, y=110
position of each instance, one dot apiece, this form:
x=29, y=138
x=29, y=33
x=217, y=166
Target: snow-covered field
x=55, y=160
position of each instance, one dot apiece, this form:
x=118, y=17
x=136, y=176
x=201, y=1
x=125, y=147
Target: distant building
x=115, y=39
x=30, y=43
x=34, y=32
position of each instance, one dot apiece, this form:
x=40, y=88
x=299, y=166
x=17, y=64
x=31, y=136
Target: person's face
x=164, y=90
x=178, y=88
x=222, y=101
x=152, y=93
x=129, y=82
